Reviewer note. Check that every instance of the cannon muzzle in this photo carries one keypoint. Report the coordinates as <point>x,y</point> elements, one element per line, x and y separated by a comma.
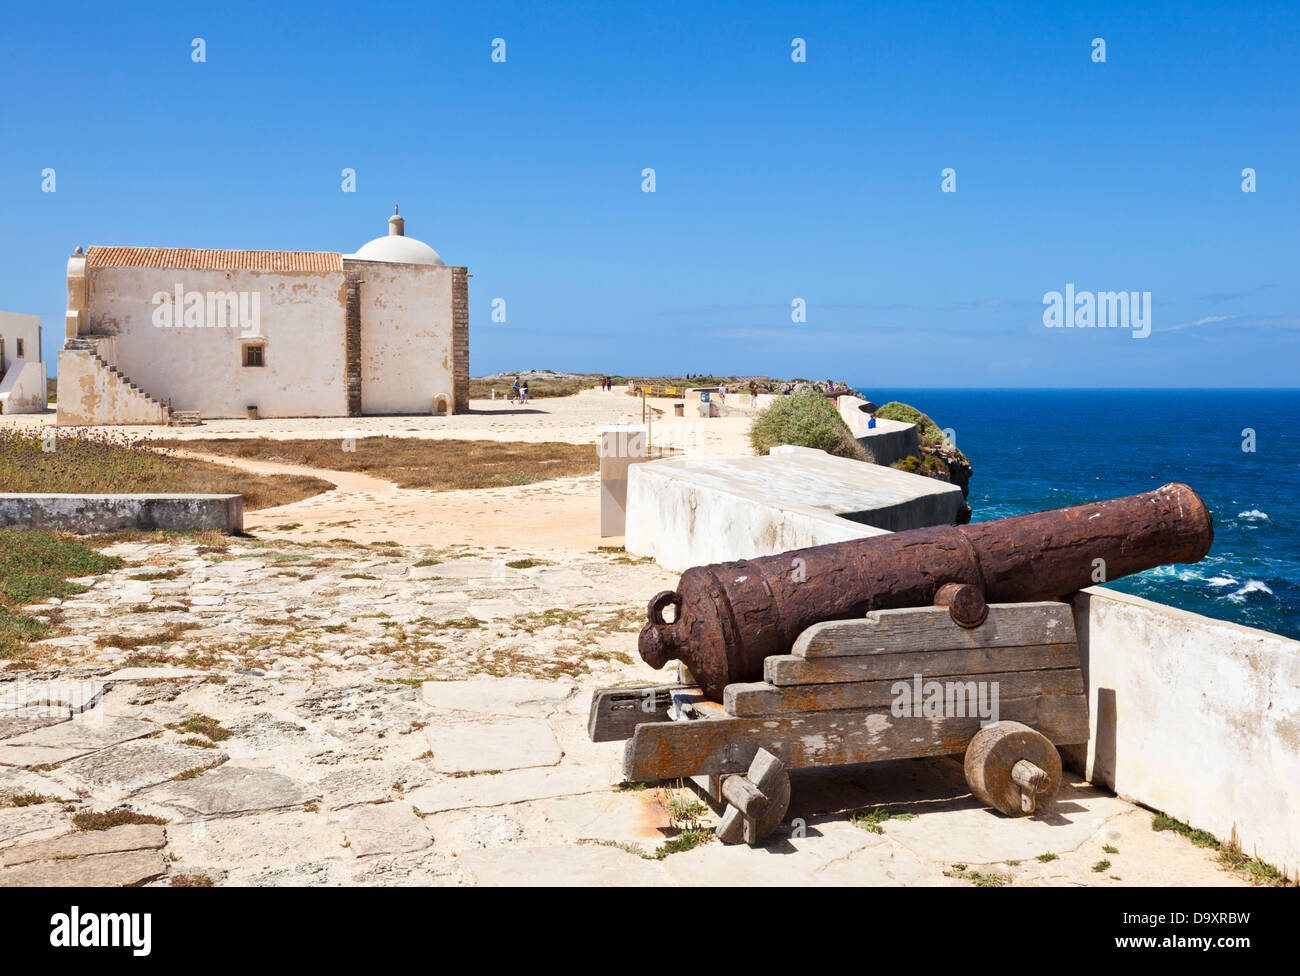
<point>728,617</point>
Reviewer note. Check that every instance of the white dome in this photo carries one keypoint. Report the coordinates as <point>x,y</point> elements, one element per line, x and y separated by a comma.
<point>399,250</point>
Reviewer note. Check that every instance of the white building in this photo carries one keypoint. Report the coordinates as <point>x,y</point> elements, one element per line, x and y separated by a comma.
<point>152,330</point>
<point>22,371</point>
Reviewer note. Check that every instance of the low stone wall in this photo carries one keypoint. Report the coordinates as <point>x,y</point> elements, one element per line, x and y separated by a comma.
<point>684,512</point>
<point>1195,717</point>
<point>85,514</point>
<point>889,441</point>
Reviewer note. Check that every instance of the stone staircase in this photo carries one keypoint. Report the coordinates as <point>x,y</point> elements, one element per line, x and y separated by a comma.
<point>114,398</point>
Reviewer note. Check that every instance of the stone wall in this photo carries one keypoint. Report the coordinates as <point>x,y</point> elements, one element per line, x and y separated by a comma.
<point>302,322</point>
<point>407,346</point>
<point>460,338</point>
<point>85,514</point>
<point>1194,717</point>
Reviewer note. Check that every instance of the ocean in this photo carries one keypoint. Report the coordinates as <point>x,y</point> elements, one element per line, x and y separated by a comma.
<point>1037,449</point>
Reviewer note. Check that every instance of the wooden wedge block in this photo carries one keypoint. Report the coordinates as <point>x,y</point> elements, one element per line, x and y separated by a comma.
<point>761,698</point>
<point>931,629</point>
<point>787,669</point>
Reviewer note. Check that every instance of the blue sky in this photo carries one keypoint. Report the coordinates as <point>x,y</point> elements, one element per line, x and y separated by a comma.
<point>775,180</point>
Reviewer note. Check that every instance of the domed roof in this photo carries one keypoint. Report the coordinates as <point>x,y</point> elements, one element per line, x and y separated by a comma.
<point>401,250</point>
<point>397,247</point>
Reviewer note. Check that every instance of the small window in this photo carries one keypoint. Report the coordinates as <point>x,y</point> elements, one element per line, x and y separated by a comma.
<point>20,349</point>
<point>253,356</point>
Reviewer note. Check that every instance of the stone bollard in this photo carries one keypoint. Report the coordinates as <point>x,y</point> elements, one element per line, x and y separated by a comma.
<point>619,447</point>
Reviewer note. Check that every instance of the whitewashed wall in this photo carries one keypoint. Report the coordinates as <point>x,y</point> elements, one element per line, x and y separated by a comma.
<point>302,315</point>
<point>22,380</point>
<point>406,349</point>
<point>1194,717</point>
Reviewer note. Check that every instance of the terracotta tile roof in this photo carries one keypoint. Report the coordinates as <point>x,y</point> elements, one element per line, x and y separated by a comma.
<point>204,259</point>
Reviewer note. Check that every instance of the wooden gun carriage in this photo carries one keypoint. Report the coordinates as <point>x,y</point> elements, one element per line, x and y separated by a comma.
<point>846,694</point>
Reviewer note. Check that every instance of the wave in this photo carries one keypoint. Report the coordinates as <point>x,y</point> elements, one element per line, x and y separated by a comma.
<point>1253,515</point>
<point>1252,586</point>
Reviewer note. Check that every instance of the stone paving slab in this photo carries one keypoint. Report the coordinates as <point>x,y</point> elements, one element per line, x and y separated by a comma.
<point>256,842</point>
<point>36,757</point>
<point>513,787</point>
<point>99,871</point>
<point>85,733</point>
<point>56,698</point>
<point>128,837</point>
<point>229,790</point>
<point>477,746</point>
<point>129,767</point>
<point>44,820</point>
<point>371,782</point>
<point>383,828</point>
<point>585,865</point>
<point>12,726</point>
<point>496,696</point>
<point>19,782</point>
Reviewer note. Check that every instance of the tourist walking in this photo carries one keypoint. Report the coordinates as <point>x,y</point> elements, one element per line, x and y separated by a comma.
<point>753,394</point>
<point>514,391</point>
<point>523,392</point>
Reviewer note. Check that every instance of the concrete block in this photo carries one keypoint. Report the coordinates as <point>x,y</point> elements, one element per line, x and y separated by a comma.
<point>110,513</point>
<point>685,512</point>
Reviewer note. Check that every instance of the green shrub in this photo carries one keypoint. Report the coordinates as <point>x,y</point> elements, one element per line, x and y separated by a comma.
<point>805,419</point>
<point>927,429</point>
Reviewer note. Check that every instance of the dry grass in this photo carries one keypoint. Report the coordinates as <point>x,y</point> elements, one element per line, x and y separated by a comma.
<point>108,819</point>
<point>414,462</point>
<point>35,566</point>
<point>106,463</point>
<point>481,389</point>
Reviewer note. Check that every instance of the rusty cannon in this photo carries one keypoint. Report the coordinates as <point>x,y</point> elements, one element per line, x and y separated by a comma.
<point>729,617</point>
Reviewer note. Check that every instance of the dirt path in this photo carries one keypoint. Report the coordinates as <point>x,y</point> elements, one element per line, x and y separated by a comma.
<point>559,514</point>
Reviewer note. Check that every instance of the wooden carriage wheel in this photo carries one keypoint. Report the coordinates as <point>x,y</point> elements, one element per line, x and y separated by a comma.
<point>1013,769</point>
<point>756,801</point>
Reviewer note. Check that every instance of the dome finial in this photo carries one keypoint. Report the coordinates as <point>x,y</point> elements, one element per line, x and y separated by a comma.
<point>396,225</point>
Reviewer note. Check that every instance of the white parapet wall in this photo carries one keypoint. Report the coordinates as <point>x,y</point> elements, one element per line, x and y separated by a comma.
<point>684,512</point>
<point>1194,717</point>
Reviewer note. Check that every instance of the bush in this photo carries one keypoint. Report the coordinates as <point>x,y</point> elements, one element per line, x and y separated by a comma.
<point>805,419</point>
<point>927,429</point>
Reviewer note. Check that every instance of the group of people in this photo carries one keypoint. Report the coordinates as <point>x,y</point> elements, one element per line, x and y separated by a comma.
<point>606,383</point>
<point>519,391</point>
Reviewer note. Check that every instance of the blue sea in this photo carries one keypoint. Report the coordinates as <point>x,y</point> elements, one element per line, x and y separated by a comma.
<point>1037,449</point>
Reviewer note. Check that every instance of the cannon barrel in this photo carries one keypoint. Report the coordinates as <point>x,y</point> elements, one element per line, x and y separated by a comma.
<point>730,616</point>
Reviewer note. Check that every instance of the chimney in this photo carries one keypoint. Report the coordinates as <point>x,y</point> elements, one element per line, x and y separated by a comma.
<point>396,225</point>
